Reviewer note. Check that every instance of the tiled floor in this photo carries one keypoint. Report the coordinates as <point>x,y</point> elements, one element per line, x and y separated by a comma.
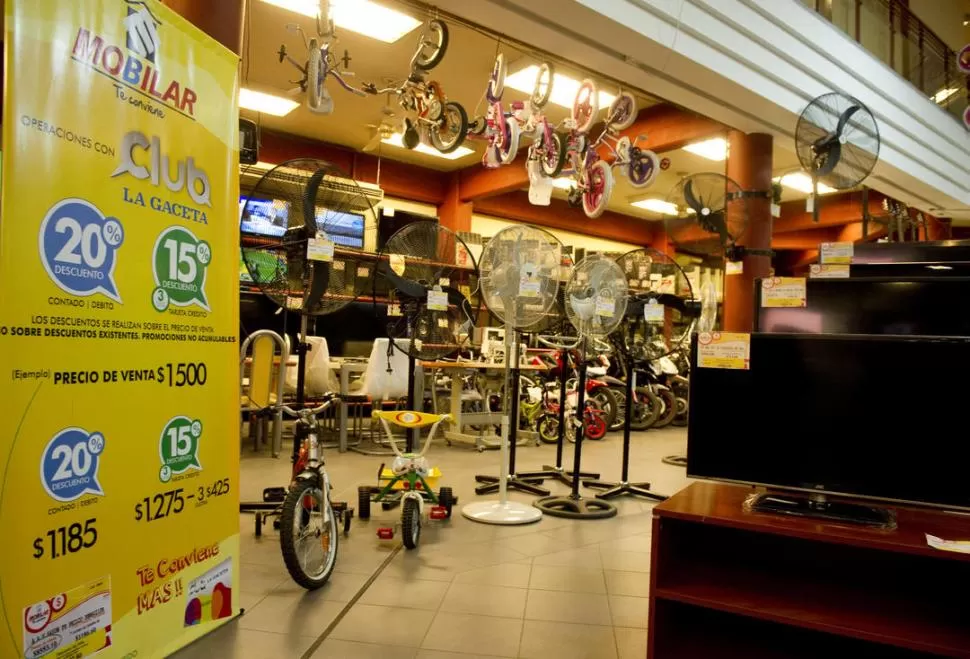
<point>560,588</point>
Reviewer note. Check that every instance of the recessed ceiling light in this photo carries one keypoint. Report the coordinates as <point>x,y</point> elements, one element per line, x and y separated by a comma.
<point>564,88</point>
<point>361,16</point>
<point>712,149</point>
<point>563,183</point>
<point>657,206</point>
<point>802,182</point>
<point>940,267</point>
<point>277,106</point>
<point>397,139</point>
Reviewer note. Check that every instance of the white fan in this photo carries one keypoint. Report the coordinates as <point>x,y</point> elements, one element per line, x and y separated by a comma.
<point>596,301</point>
<point>519,279</point>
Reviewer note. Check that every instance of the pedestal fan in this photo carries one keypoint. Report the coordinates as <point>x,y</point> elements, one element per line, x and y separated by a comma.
<point>660,295</point>
<point>596,301</point>
<point>519,271</point>
<point>837,142</point>
<point>430,274</point>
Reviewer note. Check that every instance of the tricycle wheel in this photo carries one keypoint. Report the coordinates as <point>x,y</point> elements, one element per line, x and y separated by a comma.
<point>363,502</point>
<point>446,498</point>
<point>411,523</point>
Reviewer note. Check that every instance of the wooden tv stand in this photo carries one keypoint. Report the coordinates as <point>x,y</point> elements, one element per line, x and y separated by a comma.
<point>726,583</point>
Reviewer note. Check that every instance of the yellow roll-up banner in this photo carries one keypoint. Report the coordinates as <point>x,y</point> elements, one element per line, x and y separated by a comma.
<point>119,438</point>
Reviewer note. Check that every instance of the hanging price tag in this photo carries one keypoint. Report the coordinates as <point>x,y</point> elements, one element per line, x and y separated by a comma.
<point>394,309</point>
<point>668,284</point>
<point>294,303</point>
<point>465,290</point>
<point>529,284</point>
<point>437,299</point>
<point>605,307</point>
<point>829,271</point>
<point>783,292</point>
<point>730,350</point>
<point>363,271</point>
<point>733,267</point>
<point>320,248</point>
<point>443,322</point>
<point>836,252</point>
<point>339,266</point>
<point>628,265</point>
<point>642,271</point>
<point>653,312</point>
<point>397,264</point>
<point>775,210</point>
<point>444,281</point>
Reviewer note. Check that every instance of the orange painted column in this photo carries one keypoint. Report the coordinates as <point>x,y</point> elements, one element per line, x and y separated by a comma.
<point>749,165</point>
<point>454,213</point>
<point>220,19</point>
<point>938,228</point>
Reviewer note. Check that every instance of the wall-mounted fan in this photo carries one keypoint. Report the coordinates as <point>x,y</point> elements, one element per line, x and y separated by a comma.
<point>430,273</point>
<point>596,301</point>
<point>837,142</point>
<point>303,239</point>
<point>712,216</point>
<point>520,269</point>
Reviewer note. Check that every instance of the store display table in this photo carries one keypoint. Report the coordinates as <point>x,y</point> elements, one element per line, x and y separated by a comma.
<point>494,374</point>
<point>729,583</point>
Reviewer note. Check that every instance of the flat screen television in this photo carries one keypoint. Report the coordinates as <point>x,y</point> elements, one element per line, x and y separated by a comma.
<point>863,416</point>
<point>346,229</point>
<point>263,217</point>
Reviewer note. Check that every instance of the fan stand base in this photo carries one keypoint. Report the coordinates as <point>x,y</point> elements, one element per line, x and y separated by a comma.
<point>529,485</point>
<point>675,460</point>
<point>612,490</point>
<point>495,512</point>
<point>559,473</point>
<point>575,507</point>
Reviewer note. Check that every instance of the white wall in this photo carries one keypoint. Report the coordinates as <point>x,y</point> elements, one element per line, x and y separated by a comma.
<point>489,226</point>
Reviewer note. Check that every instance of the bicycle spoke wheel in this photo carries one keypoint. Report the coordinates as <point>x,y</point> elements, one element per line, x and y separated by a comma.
<point>308,535</point>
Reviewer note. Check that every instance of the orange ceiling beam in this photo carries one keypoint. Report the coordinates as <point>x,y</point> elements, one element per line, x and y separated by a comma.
<point>804,240</point>
<point>836,210</point>
<point>560,215</point>
<point>398,179</point>
<point>665,128</point>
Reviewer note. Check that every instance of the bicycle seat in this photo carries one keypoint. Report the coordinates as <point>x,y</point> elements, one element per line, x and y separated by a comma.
<point>409,418</point>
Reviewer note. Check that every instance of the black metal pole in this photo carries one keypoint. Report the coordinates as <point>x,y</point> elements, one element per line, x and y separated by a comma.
<point>513,403</point>
<point>628,417</point>
<point>301,348</point>
<point>580,411</point>
<point>412,364</point>
<point>562,407</point>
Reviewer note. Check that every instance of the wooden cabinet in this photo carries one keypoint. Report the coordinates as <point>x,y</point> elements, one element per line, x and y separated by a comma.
<point>730,583</point>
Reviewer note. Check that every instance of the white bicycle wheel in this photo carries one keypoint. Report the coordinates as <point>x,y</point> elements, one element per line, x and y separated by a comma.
<point>496,83</point>
<point>623,111</point>
<point>314,85</point>
<point>599,187</point>
<point>586,106</point>
<point>510,145</point>
<point>643,168</point>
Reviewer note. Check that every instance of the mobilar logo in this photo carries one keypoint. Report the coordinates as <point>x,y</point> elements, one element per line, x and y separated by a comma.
<point>133,66</point>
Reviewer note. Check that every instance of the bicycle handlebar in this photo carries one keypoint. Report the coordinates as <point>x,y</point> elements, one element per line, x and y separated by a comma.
<point>331,399</point>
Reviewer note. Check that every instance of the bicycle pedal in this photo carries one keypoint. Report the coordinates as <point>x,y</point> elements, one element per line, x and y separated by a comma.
<point>274,494</point>
<point>385,533</point>
<point>438,512</point>
<point>339,506</point>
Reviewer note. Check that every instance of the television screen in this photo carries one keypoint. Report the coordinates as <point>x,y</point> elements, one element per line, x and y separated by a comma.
<point>346,229</point>
<point>263,217</point>
<point>838,414</point>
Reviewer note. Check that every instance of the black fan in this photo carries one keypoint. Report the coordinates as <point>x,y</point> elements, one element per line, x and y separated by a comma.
<point>304,230</point>
<point>431,274</point>
<point>712,215</point>
<point>837,142</point>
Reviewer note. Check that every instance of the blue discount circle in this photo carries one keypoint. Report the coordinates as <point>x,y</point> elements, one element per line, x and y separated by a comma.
<point>79,247</point>
<point>69,467</point>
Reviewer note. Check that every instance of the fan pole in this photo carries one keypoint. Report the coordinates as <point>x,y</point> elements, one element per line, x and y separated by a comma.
<point>625,486</point>
<point>523,483</point>
<point>301,346</point>
<point>503,511</point>
<point>556,471</point>
<point>575,506</point>
<point>412,403</point>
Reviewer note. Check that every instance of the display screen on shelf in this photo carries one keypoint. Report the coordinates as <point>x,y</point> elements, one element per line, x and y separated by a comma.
<point>346,229</point>
<point>263,217</point>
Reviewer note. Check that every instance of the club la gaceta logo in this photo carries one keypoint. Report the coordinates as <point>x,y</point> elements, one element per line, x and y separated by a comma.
<point>138,65</point>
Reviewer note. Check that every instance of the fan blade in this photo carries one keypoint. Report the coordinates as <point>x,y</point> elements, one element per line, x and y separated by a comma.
<point>405,287</point>
<point>319,281</point>
<point>832,153</point>
<point>691,199</point>
<point>719,222</point>
<point>844,119</point>
<point>456,298</point>
<point>310,201</point>
<point>375,141</point>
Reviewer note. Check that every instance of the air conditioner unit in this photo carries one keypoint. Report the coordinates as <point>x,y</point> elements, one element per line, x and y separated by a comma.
<point>335,190</point>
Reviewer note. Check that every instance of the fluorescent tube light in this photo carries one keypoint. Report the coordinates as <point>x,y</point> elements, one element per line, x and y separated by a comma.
<point>397,139</point>
<point>277,106</point>
<point>713,149</point>
<point>942,95</point>
<point>362,16</point>
<point>802,182</point>
<point>657,206</point>
<point>564,88</point>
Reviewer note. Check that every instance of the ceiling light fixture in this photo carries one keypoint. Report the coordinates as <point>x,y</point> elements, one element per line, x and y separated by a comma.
<point>277,106</point>
<point>362,16</point>
<point>657,206</point>
<point>942,95</point>
<point>802,182</point>
<point>563,183</point>
<point>397,139</point>
<point>564,88</point>
<point>712,149</point>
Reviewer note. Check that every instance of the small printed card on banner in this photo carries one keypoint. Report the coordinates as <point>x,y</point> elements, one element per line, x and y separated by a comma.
<point>829,271</point>
<point>836,252</point>
<point>437,299</point>
<point>730,350</point>
<point>653,312</point>
<point>320,248</point>
<point>783,292</point>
